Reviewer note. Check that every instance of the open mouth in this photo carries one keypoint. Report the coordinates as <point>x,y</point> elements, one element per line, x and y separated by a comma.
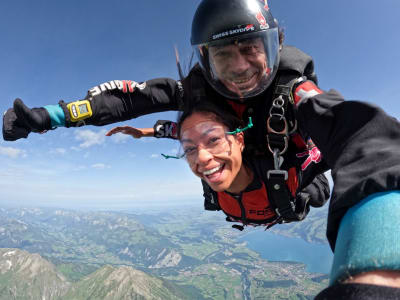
<point>246,82</point>
<point>214,173</point>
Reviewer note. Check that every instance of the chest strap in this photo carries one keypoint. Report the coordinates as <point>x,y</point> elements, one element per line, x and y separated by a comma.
<point>280,124</point>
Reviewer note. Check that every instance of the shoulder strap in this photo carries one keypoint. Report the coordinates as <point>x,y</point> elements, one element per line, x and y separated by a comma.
<point>279,194</point>
<point>296,61</point>
<point>210,197</point>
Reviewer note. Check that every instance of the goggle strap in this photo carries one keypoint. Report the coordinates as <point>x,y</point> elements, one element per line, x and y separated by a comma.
<point>171,156</point>
<point>237,130</point>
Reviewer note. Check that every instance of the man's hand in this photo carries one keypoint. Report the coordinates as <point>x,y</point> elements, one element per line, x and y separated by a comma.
<point>20,120</point>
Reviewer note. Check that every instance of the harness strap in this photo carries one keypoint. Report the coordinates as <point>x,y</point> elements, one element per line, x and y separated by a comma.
<point>283,90</point>
<point>280,124</point>
<point>279,194</point>
<point>210,197</point>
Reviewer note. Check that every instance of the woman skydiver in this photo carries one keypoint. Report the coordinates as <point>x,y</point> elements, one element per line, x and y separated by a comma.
<point>241,184</point>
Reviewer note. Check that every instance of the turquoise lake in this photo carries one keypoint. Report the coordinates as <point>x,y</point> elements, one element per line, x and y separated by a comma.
<point>318,258</point>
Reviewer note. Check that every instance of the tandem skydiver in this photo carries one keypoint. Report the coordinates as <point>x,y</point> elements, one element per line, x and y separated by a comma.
<point>362,152</point>
<point>240,185</point>
<point>366,261</point>
<point>257,69</point>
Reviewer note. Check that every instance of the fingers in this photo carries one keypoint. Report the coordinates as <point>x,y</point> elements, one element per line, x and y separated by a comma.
<point>22,112</point>
<point>115,130</point>
<point>123,129</point>
<point>12,130</point>
<point>111,131</point>
<point>37,119</point>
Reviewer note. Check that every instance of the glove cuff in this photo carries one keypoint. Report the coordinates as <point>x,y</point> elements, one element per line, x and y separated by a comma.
<point>57,115</point>
<point>44,117</point>
<point>68,122</point>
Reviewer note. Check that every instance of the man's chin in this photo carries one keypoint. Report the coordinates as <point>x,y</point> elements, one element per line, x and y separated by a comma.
<point>240,90</point>
<point>243,88</point>
<point>247,90</point>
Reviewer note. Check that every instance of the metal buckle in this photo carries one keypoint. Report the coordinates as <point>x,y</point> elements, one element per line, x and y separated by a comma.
<point>277,212</point>
<point>277,173</point>
<point>285,139</point>
<point>284,131</point>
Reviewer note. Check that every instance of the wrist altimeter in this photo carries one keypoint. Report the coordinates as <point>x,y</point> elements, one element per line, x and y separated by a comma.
<point>79,110</point>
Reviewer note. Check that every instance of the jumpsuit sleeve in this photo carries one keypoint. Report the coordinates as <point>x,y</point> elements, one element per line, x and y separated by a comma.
<point>121,100</point>
<point>360,144</point>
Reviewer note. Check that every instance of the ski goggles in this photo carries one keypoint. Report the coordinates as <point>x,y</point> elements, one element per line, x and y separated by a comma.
<point>208,136</point>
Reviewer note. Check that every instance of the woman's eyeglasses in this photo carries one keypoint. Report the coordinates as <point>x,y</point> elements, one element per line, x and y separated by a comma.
<point>214,141</point>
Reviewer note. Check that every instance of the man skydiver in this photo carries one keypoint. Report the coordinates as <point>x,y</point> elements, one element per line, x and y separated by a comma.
<point>241,58</point>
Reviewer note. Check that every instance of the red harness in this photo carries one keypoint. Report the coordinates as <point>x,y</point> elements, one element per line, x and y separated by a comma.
<point>253,207</point>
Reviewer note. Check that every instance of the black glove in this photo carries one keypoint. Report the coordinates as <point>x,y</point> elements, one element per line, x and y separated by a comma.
<point>21,120</point>
<point>302,205</point>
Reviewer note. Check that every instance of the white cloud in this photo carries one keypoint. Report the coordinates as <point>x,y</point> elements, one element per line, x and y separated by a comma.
<point>75,148</point>
<point>79,168</point>
<point>90,138</point>
<point>12,152</point>
<point>131,154</point>
<point>155,156</point>
<point>120,138</point>
<point>12,173</point>
<point>58,151</point>
<point>100,166</point>
<point>175,151</point>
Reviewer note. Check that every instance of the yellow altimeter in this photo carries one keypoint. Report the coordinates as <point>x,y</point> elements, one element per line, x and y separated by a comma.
<point>79,110</point>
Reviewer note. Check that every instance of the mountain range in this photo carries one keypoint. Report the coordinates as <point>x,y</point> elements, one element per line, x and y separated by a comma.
<point>65,254</point>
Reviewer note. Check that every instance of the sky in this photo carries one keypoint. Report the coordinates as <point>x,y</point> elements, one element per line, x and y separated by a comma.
<point>52,50</point>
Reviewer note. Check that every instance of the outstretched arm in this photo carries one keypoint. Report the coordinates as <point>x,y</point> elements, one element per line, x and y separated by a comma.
<point>161,129</point>
<point>136,133</point>
<point>107,103</point>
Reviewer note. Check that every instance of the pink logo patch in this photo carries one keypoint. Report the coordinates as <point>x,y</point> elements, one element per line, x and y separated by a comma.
<point>313,153</point>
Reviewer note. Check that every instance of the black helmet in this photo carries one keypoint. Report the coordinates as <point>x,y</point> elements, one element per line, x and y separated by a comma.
<point>237,44</point>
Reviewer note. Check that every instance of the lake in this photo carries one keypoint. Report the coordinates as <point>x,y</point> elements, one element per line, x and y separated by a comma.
<point>318,258</point>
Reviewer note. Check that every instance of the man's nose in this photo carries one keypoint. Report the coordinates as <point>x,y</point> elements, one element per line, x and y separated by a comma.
<point>240,63</point>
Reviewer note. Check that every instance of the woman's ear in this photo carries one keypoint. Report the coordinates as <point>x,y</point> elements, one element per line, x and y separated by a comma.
<point>240,139</point>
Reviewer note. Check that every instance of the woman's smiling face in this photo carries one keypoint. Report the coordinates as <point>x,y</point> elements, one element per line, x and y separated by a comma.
<point>213,155</point>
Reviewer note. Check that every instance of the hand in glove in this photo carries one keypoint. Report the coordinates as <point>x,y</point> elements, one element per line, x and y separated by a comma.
<point>20,120</point>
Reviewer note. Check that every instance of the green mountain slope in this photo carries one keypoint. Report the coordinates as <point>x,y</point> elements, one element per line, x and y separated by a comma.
<point>120,283</point>
<point>29,276</point>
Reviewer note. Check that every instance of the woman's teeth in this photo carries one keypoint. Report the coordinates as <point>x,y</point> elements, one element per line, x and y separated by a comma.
<point>212,171</point>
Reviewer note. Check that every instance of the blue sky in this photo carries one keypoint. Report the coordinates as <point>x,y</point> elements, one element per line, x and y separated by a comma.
<point>53,50</point>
